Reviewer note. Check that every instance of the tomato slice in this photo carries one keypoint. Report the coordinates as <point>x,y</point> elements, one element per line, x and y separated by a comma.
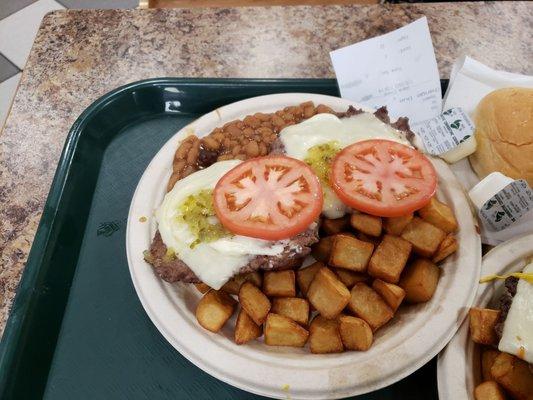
<point>272,198</point>
<point>383,178</point>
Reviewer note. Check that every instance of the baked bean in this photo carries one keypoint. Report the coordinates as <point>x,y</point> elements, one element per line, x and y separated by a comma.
<point>224,157</point>
<point>233,130</point>
<point>210,143</point>
<point>263,149</point>
<point>219,136</point>
<point>183,150</point>
<point>267,124</point>
<point>226,143</point>
<point>236,150</point>
<point>172,181</point>
<point>187,171</point>
<point>262,117</point>
<point>248,132</point>
<point>297,111</point>
<point>252,149</point>
<point>277,121</point>
<point>252,121</point>
<point>307,104</point>
<point>286,117</point>
<point>192,156</point>
<point>264,131</point>
<point>309,111</point>
<point>322,109</point>
<point>178,165</point>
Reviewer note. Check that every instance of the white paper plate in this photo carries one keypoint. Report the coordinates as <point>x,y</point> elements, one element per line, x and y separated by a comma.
<point>458,367</point>
<point>416,334</point>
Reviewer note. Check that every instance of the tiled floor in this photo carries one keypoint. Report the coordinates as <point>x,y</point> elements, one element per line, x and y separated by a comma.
<point>19,22</point>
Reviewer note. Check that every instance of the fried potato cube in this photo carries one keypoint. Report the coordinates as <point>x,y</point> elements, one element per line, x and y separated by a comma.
<point>396,225</point>
<point>254,302</point>
<point>246,329</point>
<point>370,239</point>
<point>488,356</point>
<point>514,375</point>
<point>349,278</point>
<point>279,283</point>
<point>294,308</point>
<point>328,294</point>
<point>488,391</point>
<point>283,331</point>
<point>214,309</point>
<point>389,259</point>
<point>234,284</point>
<point>305,276</point>
<point>350,253</point>
<point>356,334</point>
<point>424,237</point>
<point>368,224</point>
<point>392,294</point>
<point>321,250</point>
<point>482,323</point>
<point>447,247</point>
<point>419,280</point>
<point>367,304</point>
<point>333,226</point>
<point>324,336</point>
<point>202,287</point>
<point>439,215</point>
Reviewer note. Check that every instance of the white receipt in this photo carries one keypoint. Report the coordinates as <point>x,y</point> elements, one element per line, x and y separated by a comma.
<point>397,69</point>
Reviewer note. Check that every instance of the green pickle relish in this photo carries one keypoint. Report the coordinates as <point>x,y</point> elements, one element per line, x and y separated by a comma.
<point>198,213</point>
<point>319,158</point>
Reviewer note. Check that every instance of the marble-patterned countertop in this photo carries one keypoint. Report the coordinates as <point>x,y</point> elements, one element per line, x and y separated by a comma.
<point>80,55</point>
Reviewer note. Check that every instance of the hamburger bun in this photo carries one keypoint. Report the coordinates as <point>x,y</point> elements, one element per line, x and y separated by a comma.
<point>504,134</point>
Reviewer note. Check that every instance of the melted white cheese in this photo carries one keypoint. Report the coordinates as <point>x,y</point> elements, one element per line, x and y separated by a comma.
<point>214,262</point>
<point>323,128</point>
<point>517,337</point>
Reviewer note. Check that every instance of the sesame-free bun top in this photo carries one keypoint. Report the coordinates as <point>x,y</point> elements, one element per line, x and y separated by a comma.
<point>504,134</point>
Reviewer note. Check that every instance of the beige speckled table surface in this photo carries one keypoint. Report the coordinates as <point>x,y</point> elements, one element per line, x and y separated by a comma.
<point>80,55</point>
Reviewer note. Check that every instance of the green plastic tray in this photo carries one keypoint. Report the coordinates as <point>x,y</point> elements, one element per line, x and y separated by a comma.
<point>77,329</point>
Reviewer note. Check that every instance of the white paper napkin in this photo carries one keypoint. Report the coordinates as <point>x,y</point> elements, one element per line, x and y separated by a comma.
<point>397,69</point>
<point>470,81</point>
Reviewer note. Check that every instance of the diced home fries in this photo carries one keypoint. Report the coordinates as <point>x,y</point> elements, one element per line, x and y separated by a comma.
<point>366,268</point>
<point>424,237</point>
<point>283,331</point>
<point>294,308</point>
<point>328,294</point>
<point>396,225</point>
<point>503,375</point>
<point>279,284</point>
<point>246,329</point>
<point>482,323</point>
<point>324,336</point>
<point>350,253</point>
<point>215,308</point>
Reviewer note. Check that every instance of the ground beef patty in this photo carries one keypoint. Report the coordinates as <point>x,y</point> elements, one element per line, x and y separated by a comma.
<point>173,269</point>
<point>506,300</point>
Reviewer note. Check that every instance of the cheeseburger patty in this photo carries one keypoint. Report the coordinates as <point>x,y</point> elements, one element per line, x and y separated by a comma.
<point>256,135</point>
